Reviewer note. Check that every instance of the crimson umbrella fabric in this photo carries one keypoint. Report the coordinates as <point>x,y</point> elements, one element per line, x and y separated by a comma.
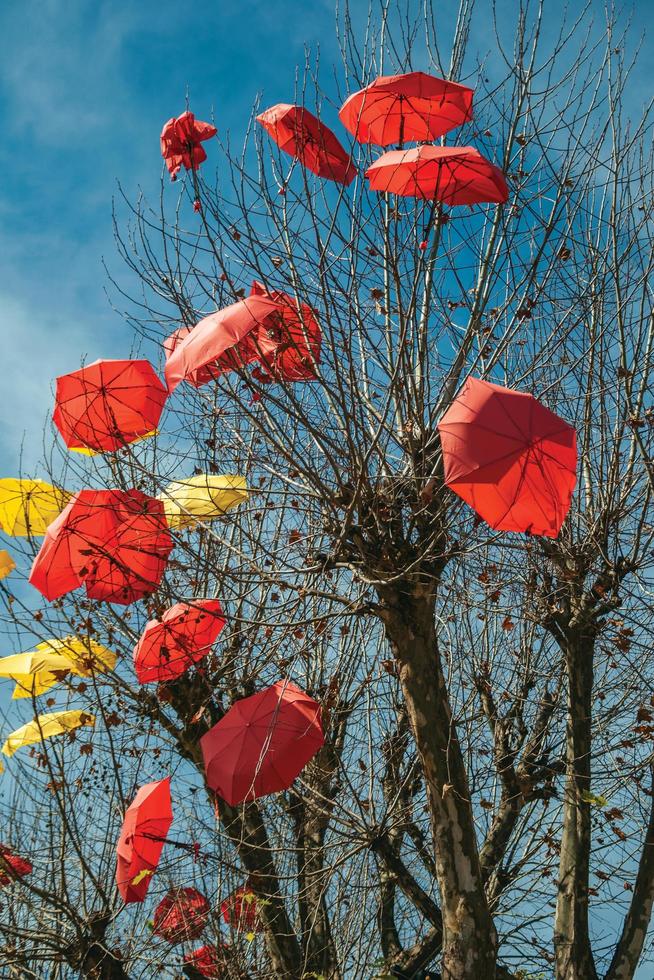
<point>227,339</point>
<point>181,915</point>
<point>449,174</point>
<point>209,961</point>
<point>513,460</point>
<point>295,337</point>
<point>145,828</point>
<point>182,637</point>
<point>301,134</point>
<point>108,404</point>
<point>181,140</point>
<point>12,866</point>
<point>114,542</point>
<point>262,743</point>
<point>406,108</point>
<point>240,910</point>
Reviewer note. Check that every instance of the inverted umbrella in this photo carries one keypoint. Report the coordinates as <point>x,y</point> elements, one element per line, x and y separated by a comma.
<point>301,134</point>
<point>296,335</point>
<point>27,507</point>
<point>227,339</point>
<point>12,866</point>
<point>180,142</point>
<point>46,726</point>
<point>450,174</point>
<point>203,497</point>
<point>108,404</point>
<point>240,910</point>
<point>406,108</point>
<point>183,636</point>
<point>513,460</point>
<point>145,828</point>
<point>181,915</point>
<point>262,743</point>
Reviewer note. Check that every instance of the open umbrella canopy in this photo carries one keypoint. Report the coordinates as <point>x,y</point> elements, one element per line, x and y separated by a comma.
<point>181,140</point>
<point>513,460</point>
<point>7,564</point>
<point>143,834</point>
<point>115,542</point>
<point>210,961</point>
<point>449,174</point>
<point>301,134</point>
<point>240,911</point>
<point>203,497</point>
<point>108,404</point>
<point>296,337</point>
<point>406,108</point>
<point>222,341</point>
<point>182,637</point>
<point>12,866</point>
<point>38,670</point>
<point>46,726</point>
<point>181,915</point>
<point>262,743</point>
<point>27,507</point>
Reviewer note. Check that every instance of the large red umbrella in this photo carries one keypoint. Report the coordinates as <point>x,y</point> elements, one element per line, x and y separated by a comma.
<point>108,404</point>
<point>262,743</point>
<point>406,108</point>
<point>240,910</point>
<point>181,915</point>
<point>115,542</point>
<point>226,339</point>
<point>509,457</point>
<point>183,636</point>
<point>180,142</point>
<point>295,337</point>
<point>145,828</point>
<point>298,132</point>
<point>450,174</point>
<point>12,866</point>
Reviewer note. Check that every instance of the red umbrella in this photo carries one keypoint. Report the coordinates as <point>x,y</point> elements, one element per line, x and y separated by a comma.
<point>209,961</point>
<point>12,866</point>
<point>406,108</point>
<point>115,542</point>
<point>262,743</point>
<point>227,339</point>
<point>298,132</point>
<point>180,142</point>
<point>509,457</point>
<point>108,404</point>
<point>181,915</point>
<point>144,831</point>
<point>240,910</point>
<point>451,174</point>
<point>295,339</point>
<point>183,636</point>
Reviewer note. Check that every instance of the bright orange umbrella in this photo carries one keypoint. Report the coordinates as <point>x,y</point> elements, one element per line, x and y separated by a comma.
<point>301,134</point>
<point>450,174</point>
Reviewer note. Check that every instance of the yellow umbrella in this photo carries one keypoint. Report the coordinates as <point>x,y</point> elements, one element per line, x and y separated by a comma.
<point>28,506</point>
<point>202,498</point>
<point>7,564</point>
<point>38,670</point>
<point>86,657</point>
<point>45,726</point>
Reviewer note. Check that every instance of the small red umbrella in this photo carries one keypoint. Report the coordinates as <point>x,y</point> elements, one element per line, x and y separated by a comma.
<point>298,132</point>
<point>240,910</point>
<point>227,339</point>
<point>144,831</point>
<point>183,636</point>
<point>509,457</point>
<point>450,174</point>
<point>262,743</point>
<point>181,915</point>
<point>295,339</point>
<point>209,961</point>
<point>115,542</point>
<point>406,108</point>
<point>12,866</point>
<point>180,142</point>
<point>108,404</point>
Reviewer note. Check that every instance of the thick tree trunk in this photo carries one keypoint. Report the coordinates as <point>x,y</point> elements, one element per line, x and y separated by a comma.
<point>469,939</point>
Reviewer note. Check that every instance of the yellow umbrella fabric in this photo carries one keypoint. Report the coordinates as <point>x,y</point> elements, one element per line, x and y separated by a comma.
<point>28,506</point>
<point>45,726</point>
<point>202,498</point>
<point>7,564</point>
<point>38,670</point>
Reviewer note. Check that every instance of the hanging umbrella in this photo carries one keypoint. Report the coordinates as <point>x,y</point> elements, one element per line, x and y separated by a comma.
<point>145,828</point>
<point>7,564</point>
<point>450,174</point>
<point>203,497</point>
<point>108,404</point>
<point>227,339</point>
<point>181,915</point>
<point>297,338</point>
<point>183,636</point>
<point>240,910</point>
<point>27,507</point>
<point>406,108</point>
<point>509,457</point>
<point>45,726</point>
<point>180,142</point>
<point>12,866</point>
<point>262,743</point>
<point>38,670</point>
<point>209,961</point>
<point>299,133</point>
<point>116,542</point>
